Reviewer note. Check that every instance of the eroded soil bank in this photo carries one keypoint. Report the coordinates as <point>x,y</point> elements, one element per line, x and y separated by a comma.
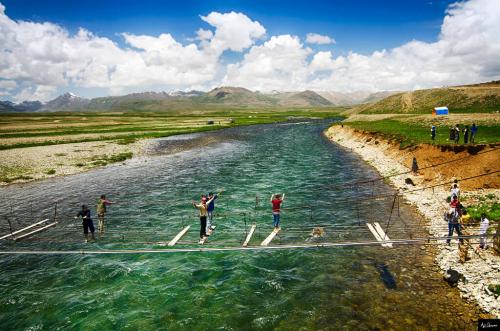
<point>483,268</point>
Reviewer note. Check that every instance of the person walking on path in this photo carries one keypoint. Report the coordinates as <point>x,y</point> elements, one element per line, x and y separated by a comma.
<point>277,200</point>
<point>455,191</point>
<point>483,230</point>
<point>433,132</point>
<point>211,208</point>
<point>473,131</point>
<point>457,134</point>
<point>202,208</point>
<point>101,211</point>
<point>452,217</point>
<point>466,134</point>
<point>86,222</point>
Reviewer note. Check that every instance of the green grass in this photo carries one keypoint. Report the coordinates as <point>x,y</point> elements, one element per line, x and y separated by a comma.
<point>492,211</point>
<point>409,134</point>
<point>9,174</point>
<point>127,127</point>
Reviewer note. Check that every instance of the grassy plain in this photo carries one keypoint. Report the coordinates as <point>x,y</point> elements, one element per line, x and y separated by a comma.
<point>414,129</point>
<point>40,129</point>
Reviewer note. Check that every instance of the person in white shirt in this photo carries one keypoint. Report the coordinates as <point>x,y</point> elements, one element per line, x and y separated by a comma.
<point>483,229</point>
<point>455,191</point>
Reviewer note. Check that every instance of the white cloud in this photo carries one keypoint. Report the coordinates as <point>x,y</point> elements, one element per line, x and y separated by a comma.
<point>40,93</point>
<point>40,58</point>
<point>314,38</point>
<point>44,56</point>
<point>467,51</point>
<point>233,31</point>
<point>8,84</point>
<point>279,63</point>
<point>202,34</point>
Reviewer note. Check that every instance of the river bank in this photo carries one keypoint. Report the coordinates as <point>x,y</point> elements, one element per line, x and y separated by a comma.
<point>483,268</point>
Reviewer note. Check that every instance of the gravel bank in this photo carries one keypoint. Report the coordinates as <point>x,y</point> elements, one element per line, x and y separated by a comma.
<point>482,269</point>
<point>34,163</point>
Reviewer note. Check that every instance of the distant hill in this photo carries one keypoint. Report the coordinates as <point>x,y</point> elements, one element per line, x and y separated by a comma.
<point>66,101</point>
<point>156,101</point>
<point>301,99</point>
<point>354,98</point>
<point>476,98</point>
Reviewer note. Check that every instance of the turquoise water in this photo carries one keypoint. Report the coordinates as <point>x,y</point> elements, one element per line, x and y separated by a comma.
<point>350,287</point>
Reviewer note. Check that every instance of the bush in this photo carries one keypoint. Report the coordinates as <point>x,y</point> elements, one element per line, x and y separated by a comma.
<point>50,172</point>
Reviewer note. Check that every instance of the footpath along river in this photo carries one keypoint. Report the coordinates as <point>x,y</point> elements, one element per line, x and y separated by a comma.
<point>354,287</point>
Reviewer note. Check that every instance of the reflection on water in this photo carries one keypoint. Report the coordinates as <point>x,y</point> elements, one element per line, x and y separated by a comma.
<point>350,287</point>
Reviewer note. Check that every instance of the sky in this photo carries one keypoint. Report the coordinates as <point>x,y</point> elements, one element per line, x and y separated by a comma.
<point>100,48</point>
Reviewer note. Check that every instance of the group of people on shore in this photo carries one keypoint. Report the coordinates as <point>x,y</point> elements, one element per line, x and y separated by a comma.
<point>457,215</point>
<point>469,133</point>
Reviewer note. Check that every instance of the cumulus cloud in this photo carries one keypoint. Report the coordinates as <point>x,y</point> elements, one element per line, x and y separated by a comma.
<point>43,57</point>
<point>314,38</point>
<point>38,58</point>
<point>279,63</point>
<point>202,34</point>
<point>233,31</point>
<point>466,51</point>
<point>40,93</point>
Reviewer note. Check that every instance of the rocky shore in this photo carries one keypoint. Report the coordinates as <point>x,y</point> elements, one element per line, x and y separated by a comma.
<point>483,268</point>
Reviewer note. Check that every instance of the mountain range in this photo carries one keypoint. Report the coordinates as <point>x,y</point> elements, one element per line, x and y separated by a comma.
<point>220,96</point>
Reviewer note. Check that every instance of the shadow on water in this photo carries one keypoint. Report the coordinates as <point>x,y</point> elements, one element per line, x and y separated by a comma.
<point>385,275</point>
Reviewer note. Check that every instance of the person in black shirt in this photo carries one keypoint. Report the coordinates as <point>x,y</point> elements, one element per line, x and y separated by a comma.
<point>87,222</point>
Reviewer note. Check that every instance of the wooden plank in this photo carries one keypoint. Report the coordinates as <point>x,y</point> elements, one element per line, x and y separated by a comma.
<point>204,239</point>
<point>24,229</point>
<point>35,231</point>
<point>375,234</point>
<point>271,236</point>
<point>249,235</point>
<point>382,234</point>
<point>178,236</point>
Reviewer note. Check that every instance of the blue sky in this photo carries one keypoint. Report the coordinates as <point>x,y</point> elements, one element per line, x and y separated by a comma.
<point>359,26</point>
<point>134,46</point>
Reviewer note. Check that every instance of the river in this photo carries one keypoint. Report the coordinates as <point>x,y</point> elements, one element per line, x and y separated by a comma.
<point>352,287</point>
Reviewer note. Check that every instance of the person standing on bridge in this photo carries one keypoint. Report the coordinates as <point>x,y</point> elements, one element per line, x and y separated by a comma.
<point>202,208</point>
<point>101,211</point>
<point>277,200</point>
<point>453,219</point>
<point>87,222</point>
<point>211,208</point>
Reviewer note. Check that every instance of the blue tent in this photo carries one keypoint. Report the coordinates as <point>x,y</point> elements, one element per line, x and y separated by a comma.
<point>440,111</point>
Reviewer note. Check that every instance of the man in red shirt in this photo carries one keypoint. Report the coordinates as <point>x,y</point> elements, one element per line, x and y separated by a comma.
<point>276,200</point>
